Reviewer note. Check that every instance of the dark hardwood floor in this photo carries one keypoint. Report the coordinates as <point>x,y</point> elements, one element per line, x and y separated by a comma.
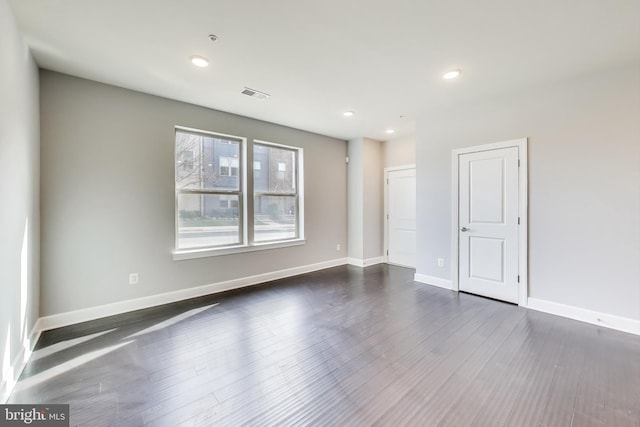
<point>343,346</point>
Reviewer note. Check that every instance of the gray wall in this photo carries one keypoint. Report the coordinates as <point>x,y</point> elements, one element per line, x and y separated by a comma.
<point>399,152</point>
<point>108,195</point>
<point>365,199</point>
<point>355,192</point>
<point>373,198</point>
<point>19,187</point>
<point>584,185</point>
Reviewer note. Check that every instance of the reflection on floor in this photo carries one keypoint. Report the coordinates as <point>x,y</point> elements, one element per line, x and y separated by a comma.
<point>342,346</point>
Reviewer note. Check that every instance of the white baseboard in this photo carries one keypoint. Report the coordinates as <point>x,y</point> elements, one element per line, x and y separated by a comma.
<point>434,281</point>
<point>19,363</point>
<point>92,313</point>
<point>355,261</point>
<point>373,261</point>
<point>594,317</point>
<point>358,262</point>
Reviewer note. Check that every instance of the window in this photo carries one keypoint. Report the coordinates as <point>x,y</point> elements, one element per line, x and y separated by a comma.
<point>276,202</point>
<point>228,202</point>
<point>208,199</point>
<point>229,166</point>
<point>213,214</point>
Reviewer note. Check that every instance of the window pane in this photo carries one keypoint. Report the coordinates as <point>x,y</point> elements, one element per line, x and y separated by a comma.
<point>207,220</point>
<point>206,162</point>
<point>274,218</point>
<point>277,172</point>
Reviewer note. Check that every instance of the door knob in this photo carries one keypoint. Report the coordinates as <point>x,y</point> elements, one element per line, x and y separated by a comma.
<point>463,229</point>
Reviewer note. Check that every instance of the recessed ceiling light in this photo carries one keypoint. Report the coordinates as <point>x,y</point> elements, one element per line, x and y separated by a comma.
<point>452,74</point>
<point>390,131</point>
<point>199,61</point>
<point>348,113</point>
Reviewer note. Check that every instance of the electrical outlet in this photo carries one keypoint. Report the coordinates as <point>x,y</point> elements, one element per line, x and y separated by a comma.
<point>440,262</point>
<point>133,278</point>
<point>338,247</point>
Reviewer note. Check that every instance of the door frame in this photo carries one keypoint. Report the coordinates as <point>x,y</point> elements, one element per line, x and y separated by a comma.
<point>523,197</point>
<point>385,219</point>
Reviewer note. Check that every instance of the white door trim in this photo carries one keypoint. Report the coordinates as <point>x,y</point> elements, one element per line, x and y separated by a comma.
<point>523,285</point>
<point>385,185</point>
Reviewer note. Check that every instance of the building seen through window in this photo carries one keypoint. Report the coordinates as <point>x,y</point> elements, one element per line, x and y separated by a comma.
<point>275,193</point>
<point>208,190</point>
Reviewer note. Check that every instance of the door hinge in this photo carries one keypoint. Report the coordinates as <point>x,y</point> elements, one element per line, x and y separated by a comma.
<point>387,252</point>
<point>346,159</point>
<point>387,217</point>
<point>518,278</point>
<point>518,220</point>
<point>387,181</point>
<point>518,162</point>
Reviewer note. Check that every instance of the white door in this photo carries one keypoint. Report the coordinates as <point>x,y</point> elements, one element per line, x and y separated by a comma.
<point>488,223</point>
<point>401,219</point>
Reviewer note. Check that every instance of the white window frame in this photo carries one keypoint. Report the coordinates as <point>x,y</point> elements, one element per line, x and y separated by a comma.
<point>299,186</point>
<point>247,216</point>
<point>240,193</point>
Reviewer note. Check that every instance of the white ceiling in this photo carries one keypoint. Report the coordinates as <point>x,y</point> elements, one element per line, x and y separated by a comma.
<point>382,59</point>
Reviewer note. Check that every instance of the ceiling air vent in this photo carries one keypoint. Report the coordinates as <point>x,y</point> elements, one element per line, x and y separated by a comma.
<point>255,93</point>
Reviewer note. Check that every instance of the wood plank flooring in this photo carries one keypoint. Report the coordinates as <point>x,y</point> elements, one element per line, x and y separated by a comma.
<point>342,346</point>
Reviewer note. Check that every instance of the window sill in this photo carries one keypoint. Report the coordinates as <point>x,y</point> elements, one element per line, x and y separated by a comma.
<point>180,255</point>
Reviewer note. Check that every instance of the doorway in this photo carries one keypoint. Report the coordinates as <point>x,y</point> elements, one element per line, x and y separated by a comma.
<point>489,228</point>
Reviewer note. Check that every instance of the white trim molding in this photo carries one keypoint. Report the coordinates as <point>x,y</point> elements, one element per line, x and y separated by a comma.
<point>358,262</point>
<point>208,252</point>
<point>523,197</point>
<point>611,321</point>
<point>18,364</point>
<point>433,281</point>
<point>92,313</point>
